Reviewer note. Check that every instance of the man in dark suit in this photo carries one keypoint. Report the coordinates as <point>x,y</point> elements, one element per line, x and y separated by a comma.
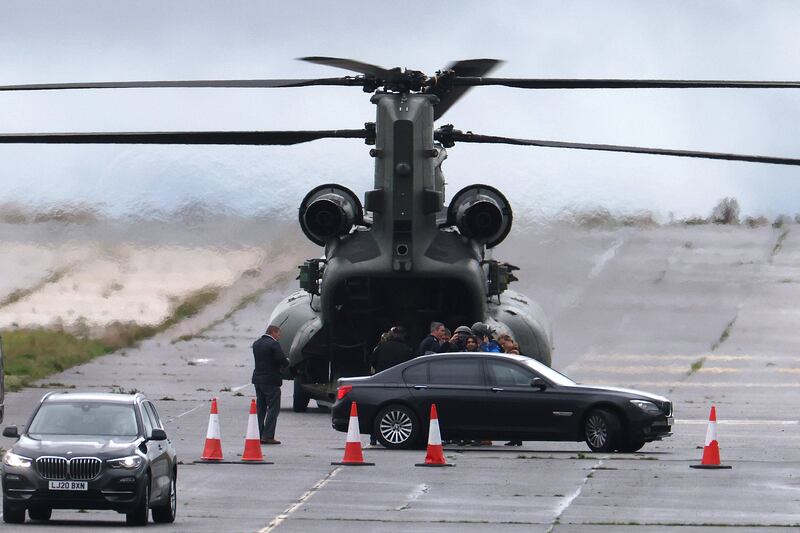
<point>432,343</point>
<point>267,379</point>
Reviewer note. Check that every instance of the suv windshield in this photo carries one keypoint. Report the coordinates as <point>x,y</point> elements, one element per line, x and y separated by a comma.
<point>85,418</point>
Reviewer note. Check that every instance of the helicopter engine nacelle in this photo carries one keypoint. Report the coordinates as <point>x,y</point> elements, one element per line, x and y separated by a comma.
<point>329,211</point>
<point>481,213</point>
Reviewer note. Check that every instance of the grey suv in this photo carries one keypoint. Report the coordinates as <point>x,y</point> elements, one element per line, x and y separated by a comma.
<point>91,451</point>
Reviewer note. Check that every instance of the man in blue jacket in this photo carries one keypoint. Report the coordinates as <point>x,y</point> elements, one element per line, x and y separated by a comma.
<point>267,380</point>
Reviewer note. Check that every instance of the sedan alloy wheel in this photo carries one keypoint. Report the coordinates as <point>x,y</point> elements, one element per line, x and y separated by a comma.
<point>396,426</point>
<point>601,430</point>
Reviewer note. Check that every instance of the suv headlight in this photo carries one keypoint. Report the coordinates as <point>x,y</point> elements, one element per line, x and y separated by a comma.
<point>18,461</point>
<point>130,462</point>
<point>647,407</point>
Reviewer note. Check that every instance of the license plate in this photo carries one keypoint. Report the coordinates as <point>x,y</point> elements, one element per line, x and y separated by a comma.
<point>69,485</point>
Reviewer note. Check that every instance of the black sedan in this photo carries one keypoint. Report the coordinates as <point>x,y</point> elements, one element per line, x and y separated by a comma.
<point>498,396</point>
<point>91,451</point>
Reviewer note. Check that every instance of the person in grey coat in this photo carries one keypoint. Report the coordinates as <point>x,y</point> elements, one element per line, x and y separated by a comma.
<point>267,380</point>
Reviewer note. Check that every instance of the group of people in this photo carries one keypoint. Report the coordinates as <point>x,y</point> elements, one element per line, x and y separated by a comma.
<point>395,349</point>
<point>392,350</point>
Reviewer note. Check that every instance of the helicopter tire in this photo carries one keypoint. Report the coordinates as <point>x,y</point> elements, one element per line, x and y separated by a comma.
<point>301,398</point>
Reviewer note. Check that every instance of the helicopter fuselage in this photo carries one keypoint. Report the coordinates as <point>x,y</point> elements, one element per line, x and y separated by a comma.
<point>412,262</point>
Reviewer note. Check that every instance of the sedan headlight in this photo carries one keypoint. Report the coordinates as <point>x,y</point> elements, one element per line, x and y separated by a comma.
<point>130,462</point>
<point>18,461</point>
<point>647,407</point>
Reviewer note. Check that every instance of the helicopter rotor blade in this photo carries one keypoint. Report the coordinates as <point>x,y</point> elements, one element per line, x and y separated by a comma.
<point>534,83</point>
<point>347,81</point>
<point>446,136</point>
<point>449,95</point>
<point>254,138</point>
<point>351,64</point>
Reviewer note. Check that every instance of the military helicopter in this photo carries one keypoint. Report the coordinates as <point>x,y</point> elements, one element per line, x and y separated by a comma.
<point>402,257</point>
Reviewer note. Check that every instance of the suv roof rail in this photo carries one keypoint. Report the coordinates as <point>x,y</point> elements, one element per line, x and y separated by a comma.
<point>49,394</point>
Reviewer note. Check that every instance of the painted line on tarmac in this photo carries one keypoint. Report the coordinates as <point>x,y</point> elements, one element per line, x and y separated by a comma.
<point>278,520</point>
<point>193,409</point>
<point>740,422</point>
<point>602,260</point>
<point>567,501</point>
<point>708,384</point>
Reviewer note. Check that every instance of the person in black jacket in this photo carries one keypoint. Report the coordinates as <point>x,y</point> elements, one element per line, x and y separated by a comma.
<point>267,379</point>
<point>433,342</point>
<point>393,351</point>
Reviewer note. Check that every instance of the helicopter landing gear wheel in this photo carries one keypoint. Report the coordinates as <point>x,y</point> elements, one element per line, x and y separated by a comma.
<point>301,398</point>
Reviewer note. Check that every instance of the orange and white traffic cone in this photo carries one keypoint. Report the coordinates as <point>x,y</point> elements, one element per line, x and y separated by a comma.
<point>353,455</point>
<point>710,458</point>
<point>435,455</point>
<point>252,440</point>
<point>213,448</point>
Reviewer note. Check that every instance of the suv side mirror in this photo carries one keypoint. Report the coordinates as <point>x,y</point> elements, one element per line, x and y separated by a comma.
<point>11,432</point>
<point>158,434</point>
<point>538,383</point>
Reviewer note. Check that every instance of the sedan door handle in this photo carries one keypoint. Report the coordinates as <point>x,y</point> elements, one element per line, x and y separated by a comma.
<point>420,387</point>
<point>497,389</point>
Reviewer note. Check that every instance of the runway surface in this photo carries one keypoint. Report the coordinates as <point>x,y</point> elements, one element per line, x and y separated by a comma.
<point>703,315</point>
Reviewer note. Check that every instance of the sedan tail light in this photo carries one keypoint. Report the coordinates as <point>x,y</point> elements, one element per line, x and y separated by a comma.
<point>342,391</point>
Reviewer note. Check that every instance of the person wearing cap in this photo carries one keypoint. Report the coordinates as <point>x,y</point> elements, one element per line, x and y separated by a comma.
<point>393,351</point>
<point>458,342</point>
<point>484,334</point>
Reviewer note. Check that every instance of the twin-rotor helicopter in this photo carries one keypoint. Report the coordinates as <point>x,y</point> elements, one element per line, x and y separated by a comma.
<point>402,257</point>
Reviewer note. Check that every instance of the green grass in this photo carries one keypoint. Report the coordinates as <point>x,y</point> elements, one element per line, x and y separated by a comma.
<point>697,365</point>
<point>32,354</point>
<point>36,353</point>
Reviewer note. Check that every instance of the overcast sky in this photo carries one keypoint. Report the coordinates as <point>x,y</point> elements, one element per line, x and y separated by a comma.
<point>61,41</point>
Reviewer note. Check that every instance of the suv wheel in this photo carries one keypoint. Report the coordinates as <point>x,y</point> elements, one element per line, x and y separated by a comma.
<point>601,430</point>
<point>396,427</point>
<point>138,516</point>
<point>12,515</point>
<point>165,514</point>
<point>40,513</point>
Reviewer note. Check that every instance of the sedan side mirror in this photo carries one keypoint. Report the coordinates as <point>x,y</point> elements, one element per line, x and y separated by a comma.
<point>11,432</point>
<point>158,434</point>
<point>538,383</point>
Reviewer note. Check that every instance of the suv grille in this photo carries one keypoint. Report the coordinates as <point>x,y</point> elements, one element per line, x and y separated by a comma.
<point>77,468</point>
<point>84,468</point>
<point>667,408</point>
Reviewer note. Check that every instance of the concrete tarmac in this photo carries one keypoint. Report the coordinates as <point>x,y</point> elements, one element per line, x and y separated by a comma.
<point>700,314</point>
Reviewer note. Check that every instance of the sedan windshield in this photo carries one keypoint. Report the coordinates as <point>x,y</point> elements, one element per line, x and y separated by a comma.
<point>546,372</point>
<point>85,418</point>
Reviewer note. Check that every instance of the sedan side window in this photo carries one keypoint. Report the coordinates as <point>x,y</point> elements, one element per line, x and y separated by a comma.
<point>416,374</point>
<point>508,375</point>
<point>456,372</point>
